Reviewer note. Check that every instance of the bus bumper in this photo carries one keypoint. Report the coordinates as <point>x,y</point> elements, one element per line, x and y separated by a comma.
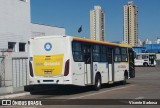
<point>38,80</point>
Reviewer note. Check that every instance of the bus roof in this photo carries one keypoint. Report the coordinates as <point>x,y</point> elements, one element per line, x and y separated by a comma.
<point>85,40</point>
<point>101,42</point>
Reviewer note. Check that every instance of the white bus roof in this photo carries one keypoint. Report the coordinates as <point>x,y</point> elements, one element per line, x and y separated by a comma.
<point>84,40</point>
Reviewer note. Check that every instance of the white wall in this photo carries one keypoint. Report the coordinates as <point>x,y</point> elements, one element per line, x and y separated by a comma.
<point>45,30</point>
<point>16,26</point>
<point>14,22</point>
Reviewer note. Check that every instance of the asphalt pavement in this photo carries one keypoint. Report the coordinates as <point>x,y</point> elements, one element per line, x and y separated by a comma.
<point>146,85</point>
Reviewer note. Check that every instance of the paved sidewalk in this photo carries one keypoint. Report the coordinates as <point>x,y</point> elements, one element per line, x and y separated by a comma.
<point>29,90</point>
<point>13,95</point>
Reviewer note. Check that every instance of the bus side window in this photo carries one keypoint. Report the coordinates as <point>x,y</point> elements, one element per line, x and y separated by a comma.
<point>103,54</point>
<point>77,52</point>
<point>96,53</point>
<point>87,53</point>
<point>124,58</point>
<point>109,54</point>
<point>138,57</point>
<point>117,56</point>
<point>144,56</point>
<point>124,54</point>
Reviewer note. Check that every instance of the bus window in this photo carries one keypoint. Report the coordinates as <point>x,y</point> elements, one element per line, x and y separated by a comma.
<point>87,53</point>
<point>123,51</point>
<point>124,54</point>
<point>109,54</point>
<point>124,58</point>
<point>77,52</point>
<point>77,56</point>
<point>76,46</point>
<point>96,53</point>
<point>138,57</point>
<point>144,56</point>
<point>103,54</point>
<point>103,57</point>
<point>117,56</point>
<point>117,51</point>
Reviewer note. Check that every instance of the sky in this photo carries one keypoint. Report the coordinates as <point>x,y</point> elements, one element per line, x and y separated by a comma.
<point>71,14</point>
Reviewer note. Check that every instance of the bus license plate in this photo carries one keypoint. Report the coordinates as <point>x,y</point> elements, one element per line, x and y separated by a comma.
<point>48,72</point>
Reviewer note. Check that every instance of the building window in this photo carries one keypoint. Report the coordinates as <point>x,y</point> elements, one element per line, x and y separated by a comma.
<point>22,47</point>
<point>12,46</point>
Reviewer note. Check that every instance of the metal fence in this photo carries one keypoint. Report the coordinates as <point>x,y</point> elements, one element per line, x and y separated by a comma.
<point>20,71</point>
<point>13,71</point>
<point>2,71</point>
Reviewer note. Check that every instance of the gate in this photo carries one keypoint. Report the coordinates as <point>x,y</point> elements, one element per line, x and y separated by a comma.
<point>2,71</point>
<point>19,71</point>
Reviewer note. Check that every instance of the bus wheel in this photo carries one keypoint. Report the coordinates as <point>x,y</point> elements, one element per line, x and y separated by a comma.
<point>125,77</point>
<point>145,64</point>
<point>124,82</point>
<point>97,85</point>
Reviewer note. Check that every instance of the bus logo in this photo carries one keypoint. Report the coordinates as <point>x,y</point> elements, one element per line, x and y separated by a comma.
<point>48,46</point>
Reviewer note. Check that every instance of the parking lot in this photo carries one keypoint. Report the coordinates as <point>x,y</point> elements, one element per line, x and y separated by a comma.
<point>146,85</point>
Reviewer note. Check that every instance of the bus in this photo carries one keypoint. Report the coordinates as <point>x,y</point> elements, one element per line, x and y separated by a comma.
<point>145,59</point>
<point>67,60</point>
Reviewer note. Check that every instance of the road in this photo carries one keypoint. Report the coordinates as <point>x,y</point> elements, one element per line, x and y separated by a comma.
<point>146,85</point>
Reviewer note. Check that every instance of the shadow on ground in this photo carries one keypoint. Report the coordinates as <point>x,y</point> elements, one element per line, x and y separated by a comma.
<point>64,90</point>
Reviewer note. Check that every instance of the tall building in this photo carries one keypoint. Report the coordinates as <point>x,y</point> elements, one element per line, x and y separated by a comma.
<point>97,24</point>
<point>130,24</point>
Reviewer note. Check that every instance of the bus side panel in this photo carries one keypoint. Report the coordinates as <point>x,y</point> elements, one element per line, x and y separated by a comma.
<point>101,67</point>
<point>139,62</point>
<point>68,79</point>
<point>119,69</point>
<point>78,76</point>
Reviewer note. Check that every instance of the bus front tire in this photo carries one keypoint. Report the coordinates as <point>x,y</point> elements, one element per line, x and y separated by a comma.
<point>97,85</point>
<point>125,77</point>
<point>123,82</point>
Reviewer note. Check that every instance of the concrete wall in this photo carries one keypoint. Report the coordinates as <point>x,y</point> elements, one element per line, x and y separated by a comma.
<point>45,30</point>
<point>16,26</point>
<point>14,72</point>
<point>14,22</point>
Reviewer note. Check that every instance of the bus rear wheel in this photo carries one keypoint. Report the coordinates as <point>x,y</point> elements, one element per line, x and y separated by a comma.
<point>97,85</point>
<point>145,64</point>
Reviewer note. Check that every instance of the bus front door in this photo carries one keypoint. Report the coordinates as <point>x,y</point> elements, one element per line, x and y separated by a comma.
<point>132,56</point>
<point>151,59</point>
<point>110,65</point>
<point>88,64</point>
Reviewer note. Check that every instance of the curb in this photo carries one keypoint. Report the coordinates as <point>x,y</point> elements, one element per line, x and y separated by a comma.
<point>10,96</point>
